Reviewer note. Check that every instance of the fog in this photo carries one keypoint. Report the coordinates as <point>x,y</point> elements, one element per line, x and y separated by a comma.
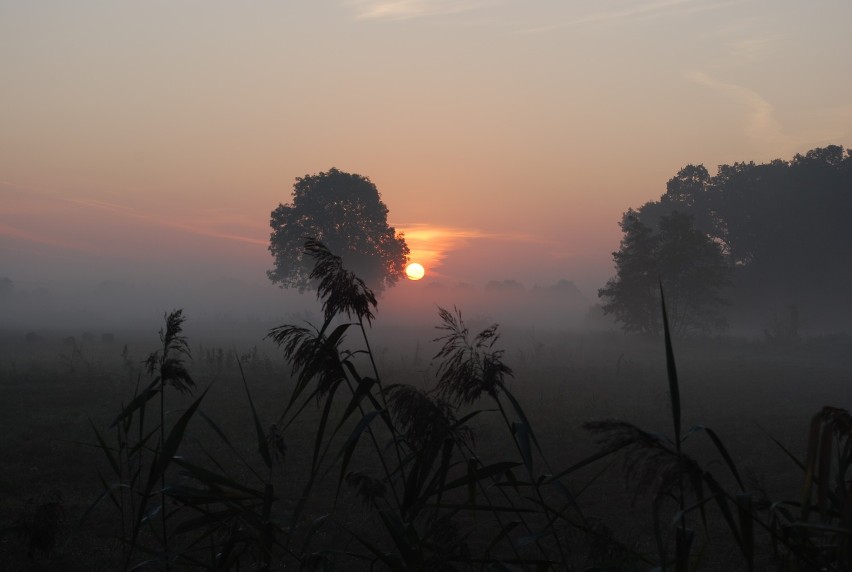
<point>755,360</point>
<point>233,305</point>
<point>231,309</point>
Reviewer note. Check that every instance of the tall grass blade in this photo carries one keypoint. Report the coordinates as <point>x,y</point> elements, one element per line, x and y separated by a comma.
<point>471,484</point>
<point>386,417</point>
<point>746,518</point>
<point>381,555</point>
<point>519,411</point>
<point>824,471</point>
<point>683,535</point>
<point>162,460</point>
<point>671,369</point>
<point>683,545</point>
<point>314,528</point>
<point>786,451</point>
<point>505,531</point>
<point>401,534</point>
<point>585,462</point>
<point>729,461</point>
<point>455,507</point>
<point>213,481</point>
<point>142,444</point>
<point>138,403</point>
<point>440,478</point>
<point>262,441</point>
<point>107,450</point>
<point>742,535</point>
<point>109,491</point>
<point>351,442</point>
<point>481,473</point>
<point>218,430</point>
<point>363,389</point>
<point>521,432</point>
<point>810,465</point>
<point>326,412</point>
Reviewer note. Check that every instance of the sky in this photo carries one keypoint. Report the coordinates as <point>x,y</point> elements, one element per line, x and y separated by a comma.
<point>148,142</point>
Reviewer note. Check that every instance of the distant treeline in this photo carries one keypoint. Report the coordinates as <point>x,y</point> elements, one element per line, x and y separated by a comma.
<point>784,229</point>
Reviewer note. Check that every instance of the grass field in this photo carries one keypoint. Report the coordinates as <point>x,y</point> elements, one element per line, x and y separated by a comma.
<point>54,392</point>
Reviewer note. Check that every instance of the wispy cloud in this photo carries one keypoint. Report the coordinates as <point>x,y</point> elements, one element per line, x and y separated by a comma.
<point>761,125</point>
<point>409,9</point>
<point>14,232</point>
<point>752,50</point>
<point>633,11</point>
<point>209,223</point>
<point>744,41</point>
<point>38,207</point>
<point>19,187</point>
<point>218,234</point>
<point>102,205</point>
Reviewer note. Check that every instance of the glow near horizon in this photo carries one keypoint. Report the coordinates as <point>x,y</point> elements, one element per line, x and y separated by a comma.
<point>499,132</point>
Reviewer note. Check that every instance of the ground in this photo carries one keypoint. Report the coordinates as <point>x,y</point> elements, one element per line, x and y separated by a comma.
<point>54,391</point>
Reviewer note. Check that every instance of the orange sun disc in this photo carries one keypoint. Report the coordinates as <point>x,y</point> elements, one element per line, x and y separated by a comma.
<point>415,271</point>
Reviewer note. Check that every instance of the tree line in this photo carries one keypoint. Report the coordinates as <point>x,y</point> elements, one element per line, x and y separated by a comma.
<point>764,242</point>
<point>756,244</point>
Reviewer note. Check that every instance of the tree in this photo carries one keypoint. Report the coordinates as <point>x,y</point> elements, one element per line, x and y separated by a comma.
<point>693,271</point>
<point>631,296</point>
<point>345,212</point>
<point>690,265</point>
<point>784,230</point>
<point>689,185</point>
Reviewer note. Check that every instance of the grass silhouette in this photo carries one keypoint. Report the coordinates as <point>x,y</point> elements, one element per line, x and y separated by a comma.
<point>408,457</point>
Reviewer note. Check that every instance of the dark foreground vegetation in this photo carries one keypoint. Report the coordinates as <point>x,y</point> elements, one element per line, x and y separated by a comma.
<point>592,455</point>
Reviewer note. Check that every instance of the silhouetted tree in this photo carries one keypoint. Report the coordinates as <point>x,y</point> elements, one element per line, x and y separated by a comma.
<point>693,271</point>
<point>690,264</point>
<point>345,212</point>
<point>564,289</point>
<point>631,296</point>
<point>783,227</point>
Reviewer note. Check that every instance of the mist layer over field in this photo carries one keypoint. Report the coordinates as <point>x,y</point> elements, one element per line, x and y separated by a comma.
<point>116,305</point>
<point>754,394</point>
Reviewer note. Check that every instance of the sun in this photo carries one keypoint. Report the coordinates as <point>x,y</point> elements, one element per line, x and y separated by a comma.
<point>415,271</point>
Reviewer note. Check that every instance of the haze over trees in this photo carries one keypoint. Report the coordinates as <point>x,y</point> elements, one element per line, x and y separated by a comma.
<point>345,212</point>
<point>690,265</point>
<point>781,229</point>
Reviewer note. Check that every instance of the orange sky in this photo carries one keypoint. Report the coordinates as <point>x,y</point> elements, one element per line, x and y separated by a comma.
<point>506,137</point>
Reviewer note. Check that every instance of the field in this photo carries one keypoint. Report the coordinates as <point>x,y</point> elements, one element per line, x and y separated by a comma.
<point>58,387</point>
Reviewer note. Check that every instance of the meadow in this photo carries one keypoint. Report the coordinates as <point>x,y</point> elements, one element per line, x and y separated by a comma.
<point>62,390</point>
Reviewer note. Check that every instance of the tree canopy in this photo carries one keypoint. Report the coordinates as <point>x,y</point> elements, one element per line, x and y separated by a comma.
<point>690,266</point>
<point>345,212</point>
<point>783,228</point>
